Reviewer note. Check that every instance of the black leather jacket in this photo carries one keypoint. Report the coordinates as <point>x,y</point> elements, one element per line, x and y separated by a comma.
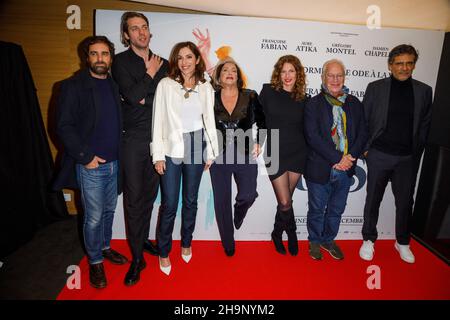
<point>247,112</point>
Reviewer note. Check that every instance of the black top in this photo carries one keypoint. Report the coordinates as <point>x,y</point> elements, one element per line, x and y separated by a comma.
<point>246,112</point>
<point>396,138</point>
<point>135,84</point>
<point>285,114</point>
<point>106,135</point>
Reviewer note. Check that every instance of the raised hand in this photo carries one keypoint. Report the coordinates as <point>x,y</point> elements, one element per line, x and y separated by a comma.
<point>153,64</point>
<point>204,46</point>
<point>203,42</point>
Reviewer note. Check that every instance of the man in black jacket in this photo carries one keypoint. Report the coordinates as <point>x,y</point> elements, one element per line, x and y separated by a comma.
<point>398,112</point>
<point>138,71</point>
<point>336,133</point>
<point>89,126</point>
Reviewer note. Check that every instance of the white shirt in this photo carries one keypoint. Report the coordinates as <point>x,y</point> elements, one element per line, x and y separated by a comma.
<point>191,111</point>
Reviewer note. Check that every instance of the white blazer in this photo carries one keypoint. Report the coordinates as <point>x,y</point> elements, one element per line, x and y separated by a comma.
<point>167,129</point>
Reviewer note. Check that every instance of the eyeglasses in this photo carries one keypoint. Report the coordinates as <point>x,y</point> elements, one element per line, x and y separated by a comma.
<point>335,76</point>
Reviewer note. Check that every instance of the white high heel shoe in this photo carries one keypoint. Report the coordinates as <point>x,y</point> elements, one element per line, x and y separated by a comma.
<point>165,270</point>
<point>186,258</point>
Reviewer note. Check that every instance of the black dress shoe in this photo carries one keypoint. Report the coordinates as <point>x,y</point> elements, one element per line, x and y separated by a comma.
<point>151,248</point>
<point>229,252</point>
<point>97,277</point>
<point>133,275</point>
<point>114,257</point>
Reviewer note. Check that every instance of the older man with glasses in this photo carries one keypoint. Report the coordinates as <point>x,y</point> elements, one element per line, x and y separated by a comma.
<point>336,133</point>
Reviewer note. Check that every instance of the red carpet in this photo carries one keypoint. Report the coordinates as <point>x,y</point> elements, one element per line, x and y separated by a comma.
<point>257,272</point>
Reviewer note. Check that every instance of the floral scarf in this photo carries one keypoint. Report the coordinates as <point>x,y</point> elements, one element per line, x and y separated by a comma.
<point>339,127</point>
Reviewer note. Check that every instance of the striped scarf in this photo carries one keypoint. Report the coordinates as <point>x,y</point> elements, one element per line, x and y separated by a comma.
<point>339,127</point>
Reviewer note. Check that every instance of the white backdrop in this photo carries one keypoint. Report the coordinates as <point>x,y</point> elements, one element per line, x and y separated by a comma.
<point>256,44</point>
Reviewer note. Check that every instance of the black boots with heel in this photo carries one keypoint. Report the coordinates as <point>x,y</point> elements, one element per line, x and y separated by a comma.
<point>285,221</point>
<point>277,233</point>
<point>291,230</point>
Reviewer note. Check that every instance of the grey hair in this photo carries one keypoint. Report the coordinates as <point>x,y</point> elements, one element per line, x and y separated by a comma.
<point>327,63</point>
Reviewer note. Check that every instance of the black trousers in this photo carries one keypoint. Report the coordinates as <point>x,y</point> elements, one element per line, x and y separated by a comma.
<point>401,171</point>
<point>140,189</point>
<point>245,175</point>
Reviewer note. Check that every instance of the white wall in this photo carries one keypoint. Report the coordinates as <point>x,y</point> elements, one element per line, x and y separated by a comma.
<point>365,57</point>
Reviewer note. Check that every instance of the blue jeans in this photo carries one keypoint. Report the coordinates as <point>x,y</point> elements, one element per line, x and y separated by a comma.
<point>326,204</point>
<point>187,170</point>
<point>99,198</point>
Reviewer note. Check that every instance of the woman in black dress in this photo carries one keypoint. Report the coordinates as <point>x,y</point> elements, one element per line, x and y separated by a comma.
<point>283,102</point>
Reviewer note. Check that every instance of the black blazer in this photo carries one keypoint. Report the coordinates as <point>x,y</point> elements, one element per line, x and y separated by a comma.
<point>322,153</point>
<point>76,118</point>
<point>376,105</point>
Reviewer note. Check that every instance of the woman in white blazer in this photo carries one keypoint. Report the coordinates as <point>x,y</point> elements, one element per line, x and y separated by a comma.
<point>184,144</point>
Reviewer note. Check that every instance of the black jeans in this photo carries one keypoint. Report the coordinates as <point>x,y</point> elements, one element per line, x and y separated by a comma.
<point>140,189</point>
<point>401,171</point>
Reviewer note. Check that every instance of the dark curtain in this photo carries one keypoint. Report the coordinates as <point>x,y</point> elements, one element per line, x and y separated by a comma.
<point>431,218</point>
<point>26,164</point>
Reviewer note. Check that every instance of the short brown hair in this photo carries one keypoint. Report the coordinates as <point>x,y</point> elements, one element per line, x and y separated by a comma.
<point>299,90</point>
<point>174,70</point>
<point>124,25</point>
<point>218,69</point>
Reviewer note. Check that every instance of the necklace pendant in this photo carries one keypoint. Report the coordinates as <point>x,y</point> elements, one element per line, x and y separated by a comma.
<point>186,95</point>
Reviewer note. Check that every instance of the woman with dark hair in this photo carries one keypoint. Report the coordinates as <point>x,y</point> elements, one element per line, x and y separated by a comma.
<point>283,102</point>
<point>183,127</point>
<point>236,110</point>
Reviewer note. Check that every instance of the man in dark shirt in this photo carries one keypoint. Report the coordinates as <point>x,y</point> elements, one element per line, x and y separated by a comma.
<point>88,124</point>
<point>398,112</point>
<point>138,71</point>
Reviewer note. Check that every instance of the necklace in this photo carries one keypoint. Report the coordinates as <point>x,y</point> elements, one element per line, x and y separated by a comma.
<point>186,95</point>
<point>187,91</point>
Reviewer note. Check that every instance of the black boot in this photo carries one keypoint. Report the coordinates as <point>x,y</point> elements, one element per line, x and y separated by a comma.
<point>277,233</point>
<point>291,229</point>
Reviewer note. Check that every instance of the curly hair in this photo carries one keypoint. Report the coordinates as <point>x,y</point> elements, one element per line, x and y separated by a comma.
<point>174,70</point>
<point>218,69</point>
<point>299,91</point>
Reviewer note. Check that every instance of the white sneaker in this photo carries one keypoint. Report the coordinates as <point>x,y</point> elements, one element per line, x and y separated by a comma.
<point>366,251</point>
<point>405,252</point>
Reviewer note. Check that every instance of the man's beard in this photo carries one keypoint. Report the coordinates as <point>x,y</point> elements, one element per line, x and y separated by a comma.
<point>99,68</point>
